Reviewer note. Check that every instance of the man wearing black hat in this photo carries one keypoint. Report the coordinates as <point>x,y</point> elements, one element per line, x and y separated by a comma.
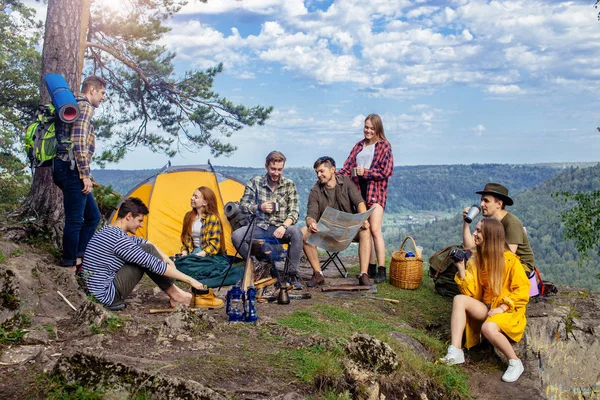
<point>494,197</point>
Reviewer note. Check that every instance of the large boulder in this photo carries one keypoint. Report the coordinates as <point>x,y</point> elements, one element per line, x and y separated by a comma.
<point>561,344</point>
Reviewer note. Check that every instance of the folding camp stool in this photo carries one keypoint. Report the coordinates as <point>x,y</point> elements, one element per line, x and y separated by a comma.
<point>333,258</point>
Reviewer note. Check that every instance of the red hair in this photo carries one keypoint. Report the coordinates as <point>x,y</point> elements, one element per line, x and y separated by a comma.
<point>210,208</point>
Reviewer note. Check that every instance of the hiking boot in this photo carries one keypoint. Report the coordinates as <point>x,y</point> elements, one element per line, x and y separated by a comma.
<point>317,280</point>
<point>514,371</point>
<point>363,280</point>
<point>381,277</point>
<point>454,356</point>
<point>372,270</point>
<point>295,283</point>
<point>206,301</point>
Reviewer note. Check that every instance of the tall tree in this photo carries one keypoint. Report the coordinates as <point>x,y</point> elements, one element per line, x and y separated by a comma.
<point>122,46</point>
<point>60,54</point>
<point>19,70</point>
<point>19,76</point>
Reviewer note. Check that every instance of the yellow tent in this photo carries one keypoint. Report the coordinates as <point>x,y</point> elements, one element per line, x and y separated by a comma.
<point>167,194</point>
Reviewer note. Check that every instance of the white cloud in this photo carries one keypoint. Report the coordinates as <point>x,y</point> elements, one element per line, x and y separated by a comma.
<point>397,48</point>
<point>504,89</point>
<point>246,75</point>
<point>479,130</point>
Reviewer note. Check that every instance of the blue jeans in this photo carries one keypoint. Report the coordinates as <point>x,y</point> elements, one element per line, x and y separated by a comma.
<point>293,236</point>
<point>82,215</point>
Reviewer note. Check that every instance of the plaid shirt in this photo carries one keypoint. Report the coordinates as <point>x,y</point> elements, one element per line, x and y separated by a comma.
<point>377,175</point>
<point>83,139</point>
<point>210,236</point>
<point>258,191</point>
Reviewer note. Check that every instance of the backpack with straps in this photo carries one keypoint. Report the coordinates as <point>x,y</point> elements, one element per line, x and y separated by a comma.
<point>41,139</point>
<point>442,270</point>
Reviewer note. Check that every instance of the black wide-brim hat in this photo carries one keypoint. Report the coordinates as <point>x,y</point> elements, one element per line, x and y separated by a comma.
<point>499,191</point>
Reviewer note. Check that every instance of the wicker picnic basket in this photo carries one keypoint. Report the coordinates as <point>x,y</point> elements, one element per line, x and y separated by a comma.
<point>406,272</point>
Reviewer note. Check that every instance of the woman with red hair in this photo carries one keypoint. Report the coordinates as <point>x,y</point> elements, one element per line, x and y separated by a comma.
<point>204,245</point>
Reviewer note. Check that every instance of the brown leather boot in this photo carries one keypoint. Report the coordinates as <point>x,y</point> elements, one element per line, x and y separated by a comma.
<point>363,280</point>
<point>317,280</point>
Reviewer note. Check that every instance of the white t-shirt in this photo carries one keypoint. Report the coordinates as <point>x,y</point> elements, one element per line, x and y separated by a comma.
<point>364,159</point>
<point>196,228</point>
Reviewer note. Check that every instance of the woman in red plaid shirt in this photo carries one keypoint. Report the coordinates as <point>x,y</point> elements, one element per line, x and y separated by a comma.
<point>373,163</point>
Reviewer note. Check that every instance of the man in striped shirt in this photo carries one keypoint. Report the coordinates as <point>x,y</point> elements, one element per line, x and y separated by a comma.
<point>115,262</point>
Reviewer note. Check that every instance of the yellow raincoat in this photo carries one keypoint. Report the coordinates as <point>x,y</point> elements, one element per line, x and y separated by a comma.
<point>515,294</point>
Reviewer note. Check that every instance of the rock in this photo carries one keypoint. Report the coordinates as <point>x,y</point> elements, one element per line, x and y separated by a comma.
<point>184,322</point>
<point>372,354</point>
<point>293,396</point>
<point>38,336</point>
<point>20,354</point>
<point>368,391</point>
<point>561,344</point>
<point>97,372</point>
<point>91,314</point>
<point>355,374</point>
<point>413,345</point>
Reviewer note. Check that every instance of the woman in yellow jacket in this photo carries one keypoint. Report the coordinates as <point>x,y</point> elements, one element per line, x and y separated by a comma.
<point>495,294</point>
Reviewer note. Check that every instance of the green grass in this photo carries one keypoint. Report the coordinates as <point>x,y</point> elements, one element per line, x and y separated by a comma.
<point>314,365</point>
<point>11,336</point>
<point>16,253</point>
<point>53,387</point>
<point>109,325</point>
<point>50,329</point>
<point>2,258</point>
<point>418,309</point>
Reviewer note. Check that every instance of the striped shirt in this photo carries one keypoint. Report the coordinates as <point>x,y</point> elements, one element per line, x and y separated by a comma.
<point>258,191</point>
<point>105,255</point>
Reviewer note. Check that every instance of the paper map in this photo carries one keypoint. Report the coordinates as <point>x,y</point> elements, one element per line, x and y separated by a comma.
<point>336,229</point>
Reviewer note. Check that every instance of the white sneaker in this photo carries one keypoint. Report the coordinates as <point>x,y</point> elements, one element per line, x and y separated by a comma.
<point>514,371</point>
<point>454,356</point>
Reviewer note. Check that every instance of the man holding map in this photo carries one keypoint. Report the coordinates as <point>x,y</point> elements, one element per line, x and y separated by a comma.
<point>339,193</point>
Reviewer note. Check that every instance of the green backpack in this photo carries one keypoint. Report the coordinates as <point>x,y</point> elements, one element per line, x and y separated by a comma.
<point>41,142</point>
<point>442,270</point>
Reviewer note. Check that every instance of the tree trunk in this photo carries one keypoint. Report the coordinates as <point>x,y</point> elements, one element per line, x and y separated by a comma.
<point>59,55</point>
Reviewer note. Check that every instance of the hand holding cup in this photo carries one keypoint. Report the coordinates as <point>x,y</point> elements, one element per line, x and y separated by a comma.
<point>472,213</point>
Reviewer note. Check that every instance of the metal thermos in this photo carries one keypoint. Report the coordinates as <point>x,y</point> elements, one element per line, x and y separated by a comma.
<point>284,297</point>
<point>472,213</point>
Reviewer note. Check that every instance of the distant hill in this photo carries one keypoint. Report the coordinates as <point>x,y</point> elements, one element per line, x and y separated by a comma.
<point>441,188</point>
<point>539,211</point>
<point>424,193</point>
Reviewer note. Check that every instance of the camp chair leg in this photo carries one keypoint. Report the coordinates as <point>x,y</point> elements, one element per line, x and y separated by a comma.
<point>339,264</point>
<point>248,278</point>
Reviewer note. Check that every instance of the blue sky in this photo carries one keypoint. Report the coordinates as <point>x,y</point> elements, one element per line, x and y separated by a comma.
<point>455,82</point>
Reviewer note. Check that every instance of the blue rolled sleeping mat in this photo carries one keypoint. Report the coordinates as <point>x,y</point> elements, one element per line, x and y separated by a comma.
<point>62,97</point>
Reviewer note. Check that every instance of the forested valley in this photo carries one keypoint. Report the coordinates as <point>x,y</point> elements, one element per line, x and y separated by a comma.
<point>426,202</point>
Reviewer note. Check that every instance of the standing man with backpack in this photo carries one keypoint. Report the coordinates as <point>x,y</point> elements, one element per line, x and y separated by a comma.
<point>72,174</point>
